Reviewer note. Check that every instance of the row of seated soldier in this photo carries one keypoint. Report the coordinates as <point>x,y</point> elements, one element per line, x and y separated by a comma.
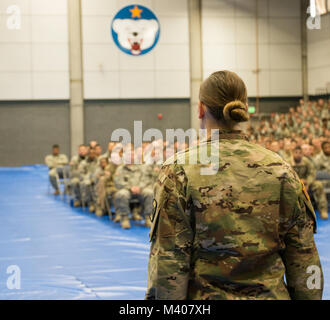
<point>112,183</point>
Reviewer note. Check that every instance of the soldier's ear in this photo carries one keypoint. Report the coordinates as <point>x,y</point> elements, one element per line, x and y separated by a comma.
<point>201,110</point>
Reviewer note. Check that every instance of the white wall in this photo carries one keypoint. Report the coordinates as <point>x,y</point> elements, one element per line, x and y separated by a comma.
<point>229,42</point>
<point>34,59</point>
<point>111,73</point>
<point>319,58</point>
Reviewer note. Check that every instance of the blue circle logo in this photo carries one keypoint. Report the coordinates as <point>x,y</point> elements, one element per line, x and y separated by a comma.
<point>135,30</point>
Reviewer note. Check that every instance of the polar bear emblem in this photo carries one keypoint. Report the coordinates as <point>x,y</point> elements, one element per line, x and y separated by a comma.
<point>135,30</point>
<point>136,35</point>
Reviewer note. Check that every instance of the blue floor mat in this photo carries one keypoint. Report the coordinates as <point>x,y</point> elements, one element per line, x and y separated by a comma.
<point>62,252</point>
<point>66,253</point>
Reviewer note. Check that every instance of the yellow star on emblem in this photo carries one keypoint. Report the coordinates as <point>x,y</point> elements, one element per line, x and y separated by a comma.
<point>136,12</point>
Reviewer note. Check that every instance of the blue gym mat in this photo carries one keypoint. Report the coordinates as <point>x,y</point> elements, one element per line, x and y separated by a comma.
<point>66,253</point>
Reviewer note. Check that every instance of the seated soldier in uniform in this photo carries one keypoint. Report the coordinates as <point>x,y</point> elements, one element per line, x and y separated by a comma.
<point>307,173</point>
<point>87,170</point>
<point>74,174</point>
<point>56,163</point>
<point>322,160</point>
<point>104,186</point>
<point>132,182</point>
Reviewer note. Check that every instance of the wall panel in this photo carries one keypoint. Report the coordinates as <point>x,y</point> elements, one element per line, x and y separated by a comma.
<point>229,42</point>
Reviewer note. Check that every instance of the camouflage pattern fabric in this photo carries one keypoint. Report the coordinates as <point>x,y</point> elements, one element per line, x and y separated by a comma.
<point>54,162</point>
<point>307,171</point>
<point>323,164</point>
<point>128,176</point>
<point>74,165</point>
<point>235,234</point>
<point>105,185</point>
<point>87,169</point>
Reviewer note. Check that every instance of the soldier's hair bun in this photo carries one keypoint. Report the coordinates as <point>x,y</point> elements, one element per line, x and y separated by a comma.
<point>235,111</point>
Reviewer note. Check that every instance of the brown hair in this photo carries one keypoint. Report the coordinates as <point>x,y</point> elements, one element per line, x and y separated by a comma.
<point>224,94</point>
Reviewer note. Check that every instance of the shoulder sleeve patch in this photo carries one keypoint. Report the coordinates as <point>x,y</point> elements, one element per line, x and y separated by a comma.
<point>154,220</point>
<point>154,208</point>
<point>304,191</point>
<point>309,206</point>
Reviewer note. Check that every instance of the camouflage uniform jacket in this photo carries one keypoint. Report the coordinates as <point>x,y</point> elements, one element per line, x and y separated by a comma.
<point>87,169</point>
<point>232,235</point>
<point>132,175</point>
<point>109,182</point>
<point>56,161</point>
<point>322,162</point>
<point>74,164</point>
<point>108,172</point>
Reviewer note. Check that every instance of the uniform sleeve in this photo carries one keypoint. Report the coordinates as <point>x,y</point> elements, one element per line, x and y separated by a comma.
<point>171,238</point>
<point>300,256</point>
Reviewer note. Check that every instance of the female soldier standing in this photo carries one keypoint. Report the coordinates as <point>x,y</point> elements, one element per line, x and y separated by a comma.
<point>236,233</point>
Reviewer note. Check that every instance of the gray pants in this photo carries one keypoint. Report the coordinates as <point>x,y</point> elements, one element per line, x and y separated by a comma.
<point>87,192</point>
<point>58,173</point>
<point>75,187</point>
<point>122,201</point>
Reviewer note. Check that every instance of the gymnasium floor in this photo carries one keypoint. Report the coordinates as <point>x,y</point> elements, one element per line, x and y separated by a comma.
<point>65,253</point>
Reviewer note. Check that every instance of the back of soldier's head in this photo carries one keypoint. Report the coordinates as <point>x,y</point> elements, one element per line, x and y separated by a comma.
<point>225,96</point>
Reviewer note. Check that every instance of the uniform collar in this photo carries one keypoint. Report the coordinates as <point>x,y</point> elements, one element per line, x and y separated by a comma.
<point>228,135</point>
